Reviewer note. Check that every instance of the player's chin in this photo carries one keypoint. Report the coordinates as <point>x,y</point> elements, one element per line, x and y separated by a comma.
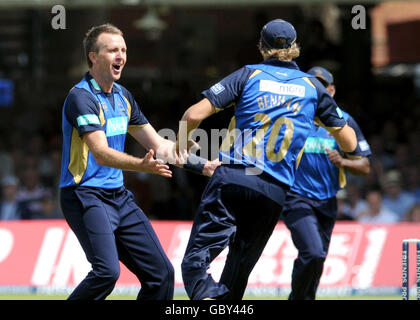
<point>116,76</point>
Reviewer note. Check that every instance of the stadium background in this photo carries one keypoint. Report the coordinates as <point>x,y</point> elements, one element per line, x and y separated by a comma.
<point>178,48</point>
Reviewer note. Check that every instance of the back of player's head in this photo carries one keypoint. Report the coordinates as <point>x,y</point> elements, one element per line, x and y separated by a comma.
<point>278,40</point>
<point>278,34</point>
<point>90,40</point>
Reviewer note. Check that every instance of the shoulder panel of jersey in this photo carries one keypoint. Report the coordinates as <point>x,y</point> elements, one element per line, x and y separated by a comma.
<point>227,91</point>
<point>83,84</point>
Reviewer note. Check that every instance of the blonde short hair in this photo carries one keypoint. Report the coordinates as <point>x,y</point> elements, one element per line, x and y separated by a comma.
<point>287,54</point>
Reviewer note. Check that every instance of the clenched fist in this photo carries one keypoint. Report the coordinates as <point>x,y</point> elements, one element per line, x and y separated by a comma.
<point>335,157</point>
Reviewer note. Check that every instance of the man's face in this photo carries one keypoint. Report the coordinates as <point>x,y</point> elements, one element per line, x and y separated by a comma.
<point>329,86</point>
<point>109,61</point>
<point>331,89</point>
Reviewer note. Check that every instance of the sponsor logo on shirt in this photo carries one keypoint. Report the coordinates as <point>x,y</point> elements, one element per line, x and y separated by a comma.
<point>282,88</point>
<point>363,145</point>
<point>87,119</point>
<point>217,88</point>
<point>116,126</point>
<point>318,145</point>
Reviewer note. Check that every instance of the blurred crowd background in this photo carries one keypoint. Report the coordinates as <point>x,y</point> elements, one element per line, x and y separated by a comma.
<point>175,52</point>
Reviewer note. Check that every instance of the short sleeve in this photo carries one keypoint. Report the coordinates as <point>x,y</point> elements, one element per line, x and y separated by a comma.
<point>137,117</point>
<point>363,148</point>
<point>82,111</point>
<point>327,113</point>
<point>227,91</point>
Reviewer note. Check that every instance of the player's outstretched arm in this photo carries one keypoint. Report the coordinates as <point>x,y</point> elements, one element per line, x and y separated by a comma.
<point>166,150</point>
<point>148,137</point>
<point>106,156</point>
<point>191,119</point>
<point>156,166</point>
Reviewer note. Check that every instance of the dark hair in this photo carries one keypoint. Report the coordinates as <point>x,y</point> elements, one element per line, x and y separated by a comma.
<point>89,42</point>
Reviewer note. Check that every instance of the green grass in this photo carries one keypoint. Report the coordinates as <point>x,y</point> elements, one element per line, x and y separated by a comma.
<point>181,297</point>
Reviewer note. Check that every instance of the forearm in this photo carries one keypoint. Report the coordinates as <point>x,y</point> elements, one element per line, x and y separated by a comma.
<point>189,161</point>
<point>191,119</point>
<point>346,138</point>
<point>116,159</point>
<point>97,144</point>
<point>357,167</point>
<point>187,125</point>
<point>110,157</point>
<point>165,150</point>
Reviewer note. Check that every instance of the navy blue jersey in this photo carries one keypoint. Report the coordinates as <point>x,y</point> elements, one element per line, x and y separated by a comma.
<point>317,177</point>
<point>276,104</point>
<point>87,109</point>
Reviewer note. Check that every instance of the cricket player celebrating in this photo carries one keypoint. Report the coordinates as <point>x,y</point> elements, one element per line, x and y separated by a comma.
<point>310,209</point>
<point>275,106</point>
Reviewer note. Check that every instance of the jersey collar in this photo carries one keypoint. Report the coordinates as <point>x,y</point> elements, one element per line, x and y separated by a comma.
<point>95,86</point>
<point>279,63</point>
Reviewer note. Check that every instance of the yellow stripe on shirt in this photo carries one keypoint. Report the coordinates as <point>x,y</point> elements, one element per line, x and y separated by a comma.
<point>79,153</point>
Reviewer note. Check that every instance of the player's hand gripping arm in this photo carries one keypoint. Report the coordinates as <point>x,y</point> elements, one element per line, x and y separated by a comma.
<point>166,149</point>
<point>106,156</point>
<point>358,167</point>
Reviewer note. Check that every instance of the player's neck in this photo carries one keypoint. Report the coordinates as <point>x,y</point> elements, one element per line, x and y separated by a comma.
<point>105,84</point>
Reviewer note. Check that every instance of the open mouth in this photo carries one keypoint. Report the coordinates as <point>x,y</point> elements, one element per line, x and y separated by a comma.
<point>116,67</point>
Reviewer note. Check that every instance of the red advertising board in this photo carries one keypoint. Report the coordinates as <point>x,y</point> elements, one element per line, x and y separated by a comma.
<point>361,256</point>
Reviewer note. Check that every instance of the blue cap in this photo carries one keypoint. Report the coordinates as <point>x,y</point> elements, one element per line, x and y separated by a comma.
<point>278,34</point>
<point>322,73</point>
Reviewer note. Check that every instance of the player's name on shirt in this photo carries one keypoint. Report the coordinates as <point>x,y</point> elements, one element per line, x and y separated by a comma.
<point>268,101</point>
<point>280,94</point>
